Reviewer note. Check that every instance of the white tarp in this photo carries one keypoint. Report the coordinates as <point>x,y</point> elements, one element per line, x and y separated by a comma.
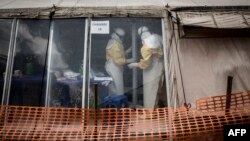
<point>206,63</point>
<point>149,8</point>
<point>11,4</point>
<point>233,19</point>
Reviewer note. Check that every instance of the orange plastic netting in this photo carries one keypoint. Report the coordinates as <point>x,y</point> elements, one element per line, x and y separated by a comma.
<point>40,123</point>
<point>218,103</point>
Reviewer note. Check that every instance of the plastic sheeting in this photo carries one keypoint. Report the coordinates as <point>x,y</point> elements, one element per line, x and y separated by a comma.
<point>131,8</point>
<point>234,19</point>
<point>11,4</point>
<point>206,63</point>
<point>40,9</point>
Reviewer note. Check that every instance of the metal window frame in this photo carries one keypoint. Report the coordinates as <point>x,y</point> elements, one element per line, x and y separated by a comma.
<point>10,62</point>
<point>85,84</point>
<point>48,67</point>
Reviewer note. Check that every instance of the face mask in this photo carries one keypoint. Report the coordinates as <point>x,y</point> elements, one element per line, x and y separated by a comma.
<point>121,37</point>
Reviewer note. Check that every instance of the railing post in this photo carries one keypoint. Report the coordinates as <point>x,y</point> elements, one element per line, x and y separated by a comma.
<point>229,91</point>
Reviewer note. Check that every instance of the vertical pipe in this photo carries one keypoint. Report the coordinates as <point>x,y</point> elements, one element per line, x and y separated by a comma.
<point>85,84</point>
<point>10,61</point>
<point>134,56</point>
<point>96,95</point>
<point>96,109</point>
<point>85,63</point>
<point>229,91</point>
<point>48,82</point>
<point>89,58</point>
<point>47,96</point>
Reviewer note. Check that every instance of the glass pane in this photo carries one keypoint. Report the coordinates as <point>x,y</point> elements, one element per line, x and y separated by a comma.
<point>5,32</point>
<point>28,74</point>
<point>127,63</point>
<point>66,58</point>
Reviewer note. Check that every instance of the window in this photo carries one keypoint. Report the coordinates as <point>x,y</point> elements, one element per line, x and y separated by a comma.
<point>65,63</point>
<point>126,65</point>
<point>28,74</point>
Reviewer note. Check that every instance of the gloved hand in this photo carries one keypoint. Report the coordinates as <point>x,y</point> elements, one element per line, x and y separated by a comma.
<point>128,51</point>
<point>131,60</point>
<point>105,83</point>
<point>133,65</point>
<point>69,74</point>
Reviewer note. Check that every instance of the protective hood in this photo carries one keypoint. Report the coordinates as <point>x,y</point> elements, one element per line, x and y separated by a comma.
<point>153,41</point>
<point>114,38</point>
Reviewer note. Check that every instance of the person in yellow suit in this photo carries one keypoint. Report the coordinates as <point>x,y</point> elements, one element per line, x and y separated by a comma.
<point>115,60</point>
<point>151,64</point>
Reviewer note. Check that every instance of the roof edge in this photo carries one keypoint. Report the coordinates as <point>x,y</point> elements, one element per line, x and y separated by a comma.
<point>74,12</point>
<point>209,8</point>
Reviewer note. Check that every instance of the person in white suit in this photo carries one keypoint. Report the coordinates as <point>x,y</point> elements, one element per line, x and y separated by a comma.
<point>115,60</point>
<point>151,64</point>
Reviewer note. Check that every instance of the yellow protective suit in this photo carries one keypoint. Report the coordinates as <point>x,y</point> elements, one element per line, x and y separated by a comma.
<point>114,65</point>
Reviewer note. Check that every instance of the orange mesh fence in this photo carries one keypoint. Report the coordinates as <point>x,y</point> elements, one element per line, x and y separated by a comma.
<point>39,123</point>
<point>218,103</point>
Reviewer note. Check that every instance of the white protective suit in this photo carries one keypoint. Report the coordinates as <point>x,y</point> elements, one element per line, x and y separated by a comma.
<point>152,72</point>
<point>152,65</point>
<point>114,65</point>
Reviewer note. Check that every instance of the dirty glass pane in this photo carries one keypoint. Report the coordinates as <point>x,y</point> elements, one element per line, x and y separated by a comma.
<point>28,74</point>
<point>5,32</point>
<point>65,63</point>
<point>126,67</point>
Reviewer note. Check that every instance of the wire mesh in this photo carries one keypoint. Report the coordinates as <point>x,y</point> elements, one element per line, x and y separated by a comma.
<point>40,123</point>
